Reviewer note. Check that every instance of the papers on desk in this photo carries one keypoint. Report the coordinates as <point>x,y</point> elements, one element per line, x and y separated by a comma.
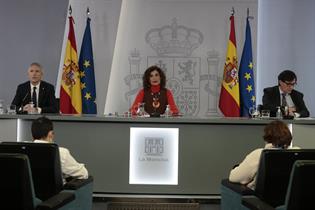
<point>305,118</point>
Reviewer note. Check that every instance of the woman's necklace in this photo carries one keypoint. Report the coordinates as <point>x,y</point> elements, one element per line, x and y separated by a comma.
<point>156,100</point>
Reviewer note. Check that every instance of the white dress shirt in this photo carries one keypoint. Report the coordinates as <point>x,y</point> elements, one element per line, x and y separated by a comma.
<point>69,166</point>
<point>39,110</point>
<point>287,98</point>
<point>289,102</point>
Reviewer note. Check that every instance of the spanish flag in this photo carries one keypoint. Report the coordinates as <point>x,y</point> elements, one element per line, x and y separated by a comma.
<point>70,90</point>
<point>229,102</point>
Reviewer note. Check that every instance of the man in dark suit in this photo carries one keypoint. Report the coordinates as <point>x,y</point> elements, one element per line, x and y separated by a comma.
<point>284,95</point>
<point>35,95</point>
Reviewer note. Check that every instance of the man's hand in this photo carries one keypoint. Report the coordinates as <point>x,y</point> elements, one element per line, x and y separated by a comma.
<point>291,111</point>
<point>30,109</point>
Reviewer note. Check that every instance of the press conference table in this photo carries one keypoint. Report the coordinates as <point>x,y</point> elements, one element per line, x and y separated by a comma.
<point>208,148</point>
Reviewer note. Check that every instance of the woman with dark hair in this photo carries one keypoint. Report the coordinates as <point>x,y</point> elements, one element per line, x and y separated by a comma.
<point>154,95</point>
<point>276,136</point>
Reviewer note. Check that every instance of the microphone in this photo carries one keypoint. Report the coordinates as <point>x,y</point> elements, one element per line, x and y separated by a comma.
<point>23,100</point>
<point>22,103</point>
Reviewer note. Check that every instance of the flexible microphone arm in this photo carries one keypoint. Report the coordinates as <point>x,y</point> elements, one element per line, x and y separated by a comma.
<point>23,100</point>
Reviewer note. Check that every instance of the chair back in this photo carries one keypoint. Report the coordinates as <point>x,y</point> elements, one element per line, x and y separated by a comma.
<point>45,165</point>
<point>301,190</point>
<point>274,173</point>
<point>16,186</point>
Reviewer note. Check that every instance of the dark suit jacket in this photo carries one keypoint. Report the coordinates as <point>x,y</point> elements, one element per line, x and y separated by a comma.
<point>46,97</point>
<point>271,99</point>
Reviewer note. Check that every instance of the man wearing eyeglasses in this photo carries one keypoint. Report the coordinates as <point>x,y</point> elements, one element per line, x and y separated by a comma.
<point>284,95</point>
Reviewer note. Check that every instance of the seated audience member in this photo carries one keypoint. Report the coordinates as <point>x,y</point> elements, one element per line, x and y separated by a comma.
<point>37,91</point>
<point>284,95</point>
<point>154,95</point>
<point>43,132</point>
<point>276,136</point>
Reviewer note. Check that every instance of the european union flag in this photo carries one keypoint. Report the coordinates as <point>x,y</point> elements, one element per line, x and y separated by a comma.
<point>86,66</point>
<point>246,75</point>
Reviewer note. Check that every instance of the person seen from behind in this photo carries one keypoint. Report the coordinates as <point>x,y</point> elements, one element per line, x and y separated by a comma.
<point>43,132</point>
<point>276,136</point>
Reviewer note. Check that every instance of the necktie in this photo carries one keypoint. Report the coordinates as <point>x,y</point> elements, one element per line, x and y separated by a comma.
<point>34,97</point>
<point>284,101</point>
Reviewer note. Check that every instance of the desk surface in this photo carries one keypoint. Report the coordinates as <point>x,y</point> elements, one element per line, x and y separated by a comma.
<point>181,119</point>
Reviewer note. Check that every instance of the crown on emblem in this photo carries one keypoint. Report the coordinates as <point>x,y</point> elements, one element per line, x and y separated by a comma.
<point>135,53</point>
<point>174,40</point>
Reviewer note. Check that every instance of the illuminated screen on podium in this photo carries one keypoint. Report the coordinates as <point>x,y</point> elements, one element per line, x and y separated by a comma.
<point>153,156</point>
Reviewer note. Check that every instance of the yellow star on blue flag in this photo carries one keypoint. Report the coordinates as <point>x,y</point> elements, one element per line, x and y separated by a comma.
<point>246,72</point>
<point>86,66</point>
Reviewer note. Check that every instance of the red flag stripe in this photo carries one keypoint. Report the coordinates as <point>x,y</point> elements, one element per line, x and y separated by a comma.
<point>232,31</point>
<point>71,36</point>
<point>65,103</point>
<point>228,106</point>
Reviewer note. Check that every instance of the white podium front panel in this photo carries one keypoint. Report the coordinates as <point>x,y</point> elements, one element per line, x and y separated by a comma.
<point>153,156</point>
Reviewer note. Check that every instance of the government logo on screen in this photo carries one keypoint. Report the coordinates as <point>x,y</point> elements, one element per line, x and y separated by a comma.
<point>154,146</point>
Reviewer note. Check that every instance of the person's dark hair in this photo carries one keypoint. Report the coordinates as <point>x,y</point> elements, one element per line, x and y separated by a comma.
<point>41,127</point>
<point>287,75</point>
<point>278,134</point>
<point>146,77</point>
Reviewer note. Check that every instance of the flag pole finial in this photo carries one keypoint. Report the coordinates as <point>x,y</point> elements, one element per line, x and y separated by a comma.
<point>88,11</point>
<point>232,11</point>
<point>249,17</point>
<point>70,10</point>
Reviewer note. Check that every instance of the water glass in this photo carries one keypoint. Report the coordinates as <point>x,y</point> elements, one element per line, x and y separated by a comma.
<point>265,113</point>
<point>254,111</point>
<point>2,111</point>
<point>167,112</point>
<point>11,109</point>
<point>31,108</point>
<point>140,111</point>
<point>127,114</point>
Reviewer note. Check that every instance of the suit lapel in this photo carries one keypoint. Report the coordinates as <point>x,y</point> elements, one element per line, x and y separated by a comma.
<point>41,94</point>
<point>294,98</point>
<point>277,96</point>
<point>28,93</point>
